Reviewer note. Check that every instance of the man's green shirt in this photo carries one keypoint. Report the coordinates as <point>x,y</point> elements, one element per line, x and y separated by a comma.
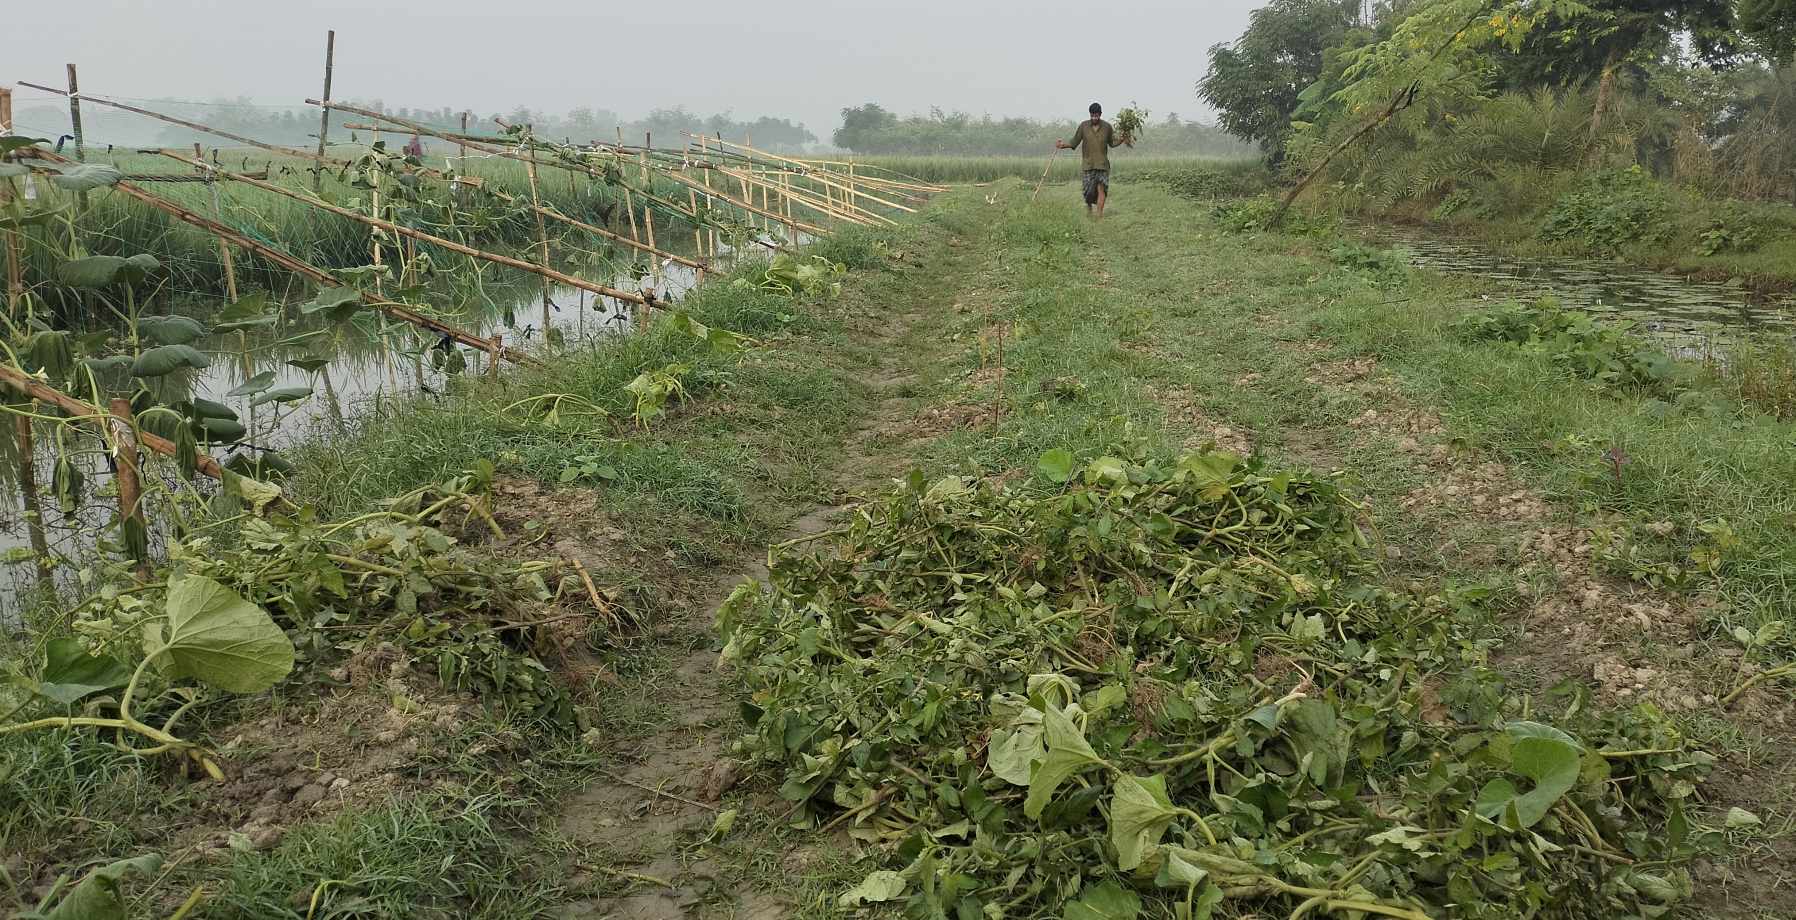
<point>1094,142</point>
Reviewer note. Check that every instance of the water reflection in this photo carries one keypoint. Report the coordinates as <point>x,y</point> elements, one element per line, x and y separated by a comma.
<point>348,366</point>
<point>1690,315</point>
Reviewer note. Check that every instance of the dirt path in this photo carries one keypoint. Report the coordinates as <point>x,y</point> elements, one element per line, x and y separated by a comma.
<point>641,826</point>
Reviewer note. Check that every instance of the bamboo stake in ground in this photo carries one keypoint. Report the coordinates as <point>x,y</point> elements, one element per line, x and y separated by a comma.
<point>324,118</point>
<point>75,115</point>
<point>130,487</point>
<point>542,232</point>
<point>224,250</point>
<point>648,213</point>
<point>29,504</point>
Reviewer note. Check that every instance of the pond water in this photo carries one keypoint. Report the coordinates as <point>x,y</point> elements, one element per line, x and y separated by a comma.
<point>1689,314</point>
<point>365,361</point>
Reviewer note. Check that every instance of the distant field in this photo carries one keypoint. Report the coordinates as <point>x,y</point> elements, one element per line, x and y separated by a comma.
<point>952,169</point>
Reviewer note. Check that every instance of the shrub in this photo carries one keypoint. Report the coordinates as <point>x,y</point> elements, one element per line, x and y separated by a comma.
<point>1610,210</point>
<point>1603,351</point>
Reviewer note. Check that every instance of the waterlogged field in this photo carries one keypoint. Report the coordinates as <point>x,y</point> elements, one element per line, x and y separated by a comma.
<point>1127,569</point>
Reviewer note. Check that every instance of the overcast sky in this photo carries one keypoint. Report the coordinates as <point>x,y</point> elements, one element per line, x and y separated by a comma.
<point>803,59</point>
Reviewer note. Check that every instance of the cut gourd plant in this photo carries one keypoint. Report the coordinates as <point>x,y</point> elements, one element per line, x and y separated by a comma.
<point>206,634</point>
<point>1144,687</point>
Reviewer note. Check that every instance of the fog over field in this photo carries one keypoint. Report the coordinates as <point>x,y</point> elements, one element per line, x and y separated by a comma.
<point>804,60</point>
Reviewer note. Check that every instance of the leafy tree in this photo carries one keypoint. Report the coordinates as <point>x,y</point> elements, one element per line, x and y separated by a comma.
<point>860,123</point>
<point>1771,25</point>
<point>1255,83</point>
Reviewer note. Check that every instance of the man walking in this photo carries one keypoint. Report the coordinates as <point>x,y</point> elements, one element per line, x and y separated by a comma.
<point>1094,138</point>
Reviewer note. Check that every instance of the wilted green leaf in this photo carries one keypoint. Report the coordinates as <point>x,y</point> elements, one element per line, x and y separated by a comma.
<point>282,395</point>
<point>1738,817</point>
<point>98,896</point>
<point>338,303</point>
<point>87,177</point>
<point>216,637</point>
<point>1056,465</point>
<point>102,271</point>
<point>1546,755</point>
<point>166,359</point>
<point>1068,753</point>
<point>883,885</point>
<point>1140,812</point>
<point>70,673</point>
<point>1104,901</point>
<point>253,385</point>
<point>170,330</point>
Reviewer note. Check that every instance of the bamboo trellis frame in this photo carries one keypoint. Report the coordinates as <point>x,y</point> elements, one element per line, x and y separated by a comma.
<point>295,264</point>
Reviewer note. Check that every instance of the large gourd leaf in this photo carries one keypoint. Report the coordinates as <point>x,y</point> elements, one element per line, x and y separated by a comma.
<point>87,177</point>
<point>102,271</point>
<point>216,637</point>
<point>1140,812</point>
<point>171,330</point>
<point>249,313</point>
<point>166,359</point>
<point>1015,751</point>
<point>98,895</point>
<point>1546,755</point>
<point>337,303</point>
<point>70,673</point>
<point>282,395</point>
<point>1068,754</point>
<point>253,385</point>
<point>1106,901</point>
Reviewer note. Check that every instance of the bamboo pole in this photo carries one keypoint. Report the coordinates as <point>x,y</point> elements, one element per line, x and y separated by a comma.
<point>15,283</point>
<point>461,158</point>
<point>42,392</point>
<point>224,249</point>
<point>324,117</point>
<point>293,263</point>
<point>704,150</point>
<point>333,161</point>
<point>75,115</point>
<point>33,509</point>
<point>648,213</point>
<point>629,202</point>
<point>422,236</point>
<point>492,359</point>
<point>217,132</point>
<point>803,199</point>
<point>425,129</point>
<point>130,485</point>
<point>542,232</point>
<point>818,177</point>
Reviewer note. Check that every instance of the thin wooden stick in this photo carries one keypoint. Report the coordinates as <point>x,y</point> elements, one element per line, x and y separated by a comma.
<point>224,249</point>
<point>1044,175</point>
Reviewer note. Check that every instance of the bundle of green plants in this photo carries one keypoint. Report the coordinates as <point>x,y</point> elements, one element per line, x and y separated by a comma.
<point>1129,123</point>
<point>1606,351</point>
<point>1143,687</point>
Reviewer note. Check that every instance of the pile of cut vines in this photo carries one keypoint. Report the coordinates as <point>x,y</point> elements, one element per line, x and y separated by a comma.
<point>1145,688</point>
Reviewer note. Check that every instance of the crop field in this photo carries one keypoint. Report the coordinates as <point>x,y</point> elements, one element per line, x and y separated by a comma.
<point>537,529</point>
<point>1060,167</point>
